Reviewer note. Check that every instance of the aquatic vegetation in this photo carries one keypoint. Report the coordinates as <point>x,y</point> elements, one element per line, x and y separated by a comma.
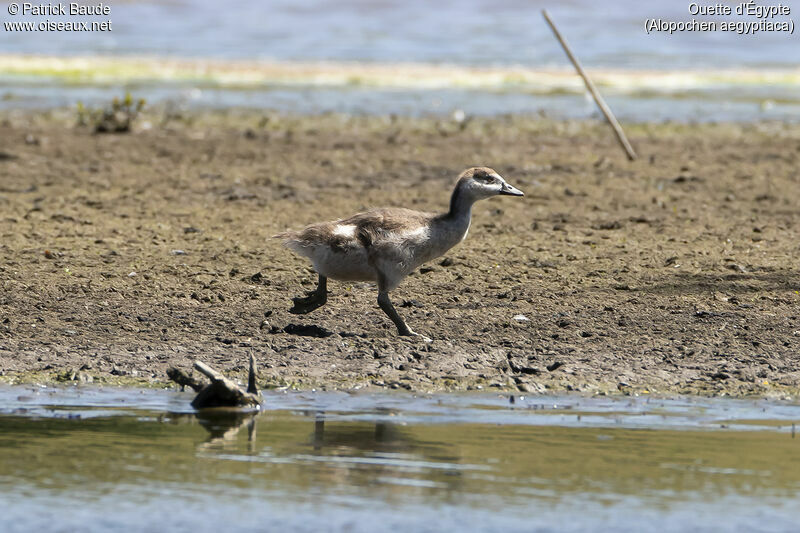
<point>250,74</point>
<point>118,117</point>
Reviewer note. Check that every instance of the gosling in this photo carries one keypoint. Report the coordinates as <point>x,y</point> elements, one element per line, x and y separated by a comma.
<point>386,245</point>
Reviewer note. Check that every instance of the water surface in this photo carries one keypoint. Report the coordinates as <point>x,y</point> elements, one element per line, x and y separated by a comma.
<point>123,460</point>
<point>464,32</point>
<point>718,72</point>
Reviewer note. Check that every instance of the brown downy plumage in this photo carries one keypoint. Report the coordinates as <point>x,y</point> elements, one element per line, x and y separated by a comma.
<point>386,245</point>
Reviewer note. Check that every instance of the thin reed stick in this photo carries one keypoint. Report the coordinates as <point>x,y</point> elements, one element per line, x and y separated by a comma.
<point>612,120</point>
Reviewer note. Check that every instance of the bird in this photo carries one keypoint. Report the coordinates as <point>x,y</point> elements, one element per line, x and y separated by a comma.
<point>385,245</point>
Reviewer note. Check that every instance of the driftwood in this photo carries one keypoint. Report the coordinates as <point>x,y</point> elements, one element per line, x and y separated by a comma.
<point>184,380</point>
<point>221,392</point>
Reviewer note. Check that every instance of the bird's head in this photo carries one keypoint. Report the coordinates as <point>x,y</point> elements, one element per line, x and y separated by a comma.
<point>478,183</point>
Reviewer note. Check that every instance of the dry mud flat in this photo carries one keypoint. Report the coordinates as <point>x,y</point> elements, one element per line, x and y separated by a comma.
<point>125,254</point>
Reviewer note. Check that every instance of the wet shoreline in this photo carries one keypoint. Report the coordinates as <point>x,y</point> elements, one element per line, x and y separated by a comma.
<point>127,254</point>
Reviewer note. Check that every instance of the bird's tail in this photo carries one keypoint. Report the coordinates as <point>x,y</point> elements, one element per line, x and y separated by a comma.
<point>292,241</point>
<point>287,236</point>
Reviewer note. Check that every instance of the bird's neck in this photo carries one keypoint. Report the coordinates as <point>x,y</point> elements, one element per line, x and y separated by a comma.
<point>452,227</point>
<point>460,206</point>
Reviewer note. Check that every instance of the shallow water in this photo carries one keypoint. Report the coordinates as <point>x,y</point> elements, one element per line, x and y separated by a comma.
<point>468,32</point>
<point>126,460</point>
<point>472,33</point>
<point>706,106</point>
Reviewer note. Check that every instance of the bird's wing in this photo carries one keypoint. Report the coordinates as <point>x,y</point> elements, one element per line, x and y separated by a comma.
<point>378,225</point>
<point>375,227</point>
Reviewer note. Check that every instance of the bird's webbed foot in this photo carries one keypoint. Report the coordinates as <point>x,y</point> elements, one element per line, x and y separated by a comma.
<point>313,300</point>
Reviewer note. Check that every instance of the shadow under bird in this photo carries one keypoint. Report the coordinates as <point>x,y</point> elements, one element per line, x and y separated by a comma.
<point>386,245</point>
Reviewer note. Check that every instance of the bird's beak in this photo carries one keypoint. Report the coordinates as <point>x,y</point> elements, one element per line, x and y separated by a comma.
<point>510,190</point>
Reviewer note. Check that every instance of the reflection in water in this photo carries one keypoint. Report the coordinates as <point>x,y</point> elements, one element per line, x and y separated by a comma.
<point>379,437</point>
<point>223,426</point>
<point>346,466</point>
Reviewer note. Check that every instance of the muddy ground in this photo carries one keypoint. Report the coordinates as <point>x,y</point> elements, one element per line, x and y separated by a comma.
<point>124,254</point>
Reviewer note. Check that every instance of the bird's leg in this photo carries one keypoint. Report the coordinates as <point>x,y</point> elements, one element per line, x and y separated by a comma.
<point>386,305</point>
<point>313,299</point>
